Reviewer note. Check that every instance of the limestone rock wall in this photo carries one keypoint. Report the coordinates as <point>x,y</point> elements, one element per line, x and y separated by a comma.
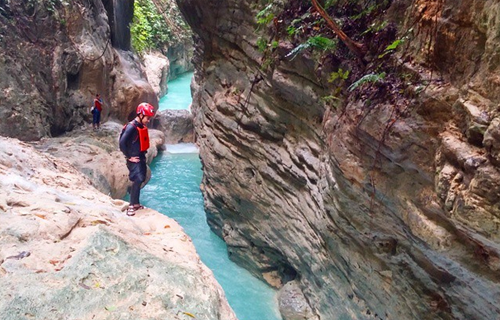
<point>387,212</point>
<point>55,56</point>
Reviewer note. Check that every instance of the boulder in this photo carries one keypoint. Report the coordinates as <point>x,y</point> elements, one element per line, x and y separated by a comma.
<point>177,125</point>
<point>157,69</point>
<point>292,303</point>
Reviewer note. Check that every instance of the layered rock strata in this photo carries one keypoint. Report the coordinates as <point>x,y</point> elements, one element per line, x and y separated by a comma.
<point>69,251</point>
<point>375,216</point>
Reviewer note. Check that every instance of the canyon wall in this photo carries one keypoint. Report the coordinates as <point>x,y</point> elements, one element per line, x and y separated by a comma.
<point>377,210</point>
<point>55,56</point>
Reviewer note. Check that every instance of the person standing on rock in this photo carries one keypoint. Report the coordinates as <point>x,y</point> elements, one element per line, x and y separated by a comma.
<point>96,112</point>
<point>134,143</point>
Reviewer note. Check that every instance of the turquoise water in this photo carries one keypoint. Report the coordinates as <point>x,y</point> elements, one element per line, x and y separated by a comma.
<point>174,191</point>
<point>178,96</point>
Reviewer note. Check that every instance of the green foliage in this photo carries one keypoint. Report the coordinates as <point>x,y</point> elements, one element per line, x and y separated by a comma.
<point>318,42</point>
<point>261,44</point>
<point>392,47</point>
<point>292,29</point>
<point>375,27</point>
<point>150,29</point>
<point>369,10</point>
<point>330,3</point>
<point>294,26</point>
<point>329,99</point>
<point>339,74</point>
<point>368,78</point>
<point>266,64</point>
<point>265,16</point>
<point>322,43</point>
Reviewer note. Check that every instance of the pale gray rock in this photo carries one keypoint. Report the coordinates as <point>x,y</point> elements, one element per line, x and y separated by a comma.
<point>68,251</point>
<point>492,140</point>
<point>177,125</point>
<point>130,85</point>
<point>292,303</point>
<point>180,56</point>
<point>157,68</point>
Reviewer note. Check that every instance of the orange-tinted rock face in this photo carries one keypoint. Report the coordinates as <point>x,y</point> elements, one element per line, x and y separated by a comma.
<point>386,210</point>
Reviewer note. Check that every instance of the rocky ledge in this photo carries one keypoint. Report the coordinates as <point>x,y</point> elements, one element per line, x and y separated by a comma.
<point>68,251</point>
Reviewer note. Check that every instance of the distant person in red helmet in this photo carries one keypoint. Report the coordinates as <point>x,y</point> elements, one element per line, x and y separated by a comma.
<point>134,143</point>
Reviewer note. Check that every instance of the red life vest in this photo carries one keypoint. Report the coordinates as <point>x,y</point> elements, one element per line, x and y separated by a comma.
<point>142,133</point>
<point>143,138</point>
<point>98,104</point>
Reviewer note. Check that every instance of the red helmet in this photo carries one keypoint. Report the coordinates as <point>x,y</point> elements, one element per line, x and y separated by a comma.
<point>145,109</point>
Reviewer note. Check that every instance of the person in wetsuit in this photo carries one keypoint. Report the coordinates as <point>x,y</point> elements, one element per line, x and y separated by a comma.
<point>134,143</point>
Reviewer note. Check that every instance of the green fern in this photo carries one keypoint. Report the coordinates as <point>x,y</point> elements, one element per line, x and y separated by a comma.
<point>317,42</point>
<point>369,78</point>
<point>265,15</point>
<point>392,47</point>
<point>375,27</point>
<point>261,44</point>
<point>295,51</point>
<point>339,74</point>
<point>292,28</point>
<point>322,43</point>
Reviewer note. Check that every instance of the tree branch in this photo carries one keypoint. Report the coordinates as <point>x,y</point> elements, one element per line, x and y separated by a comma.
<point>354,47</point>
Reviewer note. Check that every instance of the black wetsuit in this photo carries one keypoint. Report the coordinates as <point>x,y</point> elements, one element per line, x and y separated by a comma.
<point>131,147</point>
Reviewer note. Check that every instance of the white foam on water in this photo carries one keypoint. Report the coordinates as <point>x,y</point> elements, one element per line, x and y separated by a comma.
<point>182,148</point>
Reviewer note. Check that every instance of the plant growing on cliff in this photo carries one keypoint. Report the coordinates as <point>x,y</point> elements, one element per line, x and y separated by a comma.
<point>265,16</point>
<point>339,74</point>
<point>155,26</point>
<point>353,46</point>
<point>391,48</point>
<point>51,6</point>
<point>318,42</point>
<point>368,78</point>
